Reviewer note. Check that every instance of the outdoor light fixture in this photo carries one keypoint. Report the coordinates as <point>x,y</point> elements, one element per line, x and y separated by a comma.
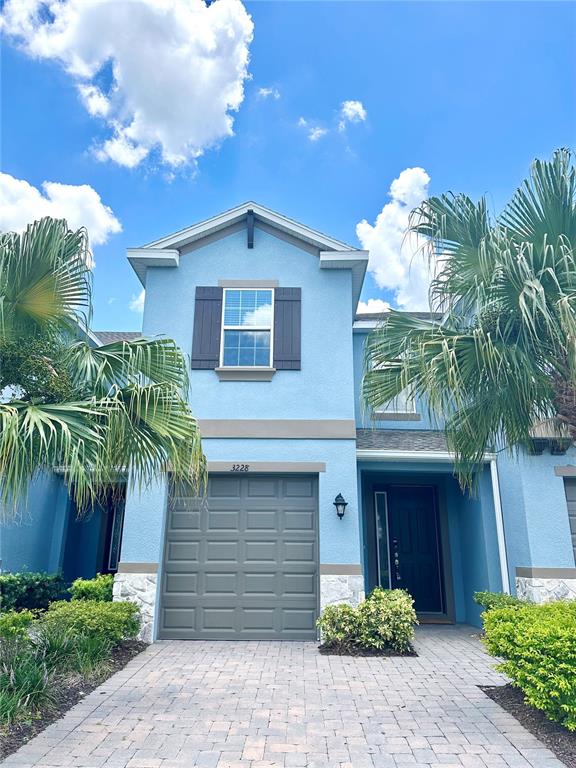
<point>340,505</point>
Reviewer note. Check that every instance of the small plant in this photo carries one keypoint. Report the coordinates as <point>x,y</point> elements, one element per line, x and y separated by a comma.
<point>98,588</point>
<point>26,682</point>
<point>387,620</point>
<point>113,621</point>
<point>538,645</point>
<point>34,591</point>
<point>15,623</point>
<point>383,622</point>
<point>491,600</point>
<point>339,626</point>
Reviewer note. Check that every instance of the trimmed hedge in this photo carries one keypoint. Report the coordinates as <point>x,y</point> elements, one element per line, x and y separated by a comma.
<point>538,645</point>
<point>383,622</point>
<point>34,591</point>
<point>15,623</point>
<point>113,621</point>
<point>98,588</point>
<point>491,600</point>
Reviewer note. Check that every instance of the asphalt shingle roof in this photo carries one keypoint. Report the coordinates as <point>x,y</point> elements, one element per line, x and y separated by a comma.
<point>108,337</point>
<point>401,440</point>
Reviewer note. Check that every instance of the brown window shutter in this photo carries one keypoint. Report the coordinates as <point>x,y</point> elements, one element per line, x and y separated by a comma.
<point>287,328</point>
<point>207,326</point>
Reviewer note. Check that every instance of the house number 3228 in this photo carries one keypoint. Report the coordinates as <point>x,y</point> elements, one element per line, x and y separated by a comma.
<point>240,468</point>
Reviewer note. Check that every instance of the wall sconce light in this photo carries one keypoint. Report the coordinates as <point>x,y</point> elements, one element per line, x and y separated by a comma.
<point>340,505</point>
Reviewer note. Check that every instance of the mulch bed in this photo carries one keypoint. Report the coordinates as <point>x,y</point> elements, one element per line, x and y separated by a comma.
<point>553,735</point>
<point>336,649</point>
<point>66,697</point>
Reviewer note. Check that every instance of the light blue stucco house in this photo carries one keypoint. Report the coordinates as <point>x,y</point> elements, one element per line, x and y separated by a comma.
<point>266,309</point>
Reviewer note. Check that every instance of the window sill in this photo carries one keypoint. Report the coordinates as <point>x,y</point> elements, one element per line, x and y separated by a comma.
<point>396,417</point>
<point>248,373</point>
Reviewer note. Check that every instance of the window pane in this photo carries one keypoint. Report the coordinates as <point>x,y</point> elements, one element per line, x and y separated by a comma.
<point>402,403</point>
<point>246,348</point>
<point>248,308</point>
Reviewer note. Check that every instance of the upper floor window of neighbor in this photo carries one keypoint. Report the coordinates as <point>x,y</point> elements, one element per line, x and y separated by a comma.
<point>402,403</point>
<point>248,315</point>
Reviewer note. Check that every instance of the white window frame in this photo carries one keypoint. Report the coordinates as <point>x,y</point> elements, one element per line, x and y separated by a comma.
<point>247,328</point>
<point>390,407</point>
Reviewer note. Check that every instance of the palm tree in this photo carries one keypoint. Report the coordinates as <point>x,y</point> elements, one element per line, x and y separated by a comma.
<point>500,359</point>
<point>90,412</point>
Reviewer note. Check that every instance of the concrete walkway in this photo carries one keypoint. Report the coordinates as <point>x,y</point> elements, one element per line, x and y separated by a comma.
<point>276,705</point>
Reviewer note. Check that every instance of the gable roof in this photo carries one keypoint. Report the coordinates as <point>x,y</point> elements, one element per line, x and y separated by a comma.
<point>333,254</point>
<point>223,220</point>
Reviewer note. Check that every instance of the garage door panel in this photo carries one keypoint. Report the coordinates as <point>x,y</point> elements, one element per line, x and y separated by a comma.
<point>223,487</point>
<point>302,488</point>
<point>246,565</point>
<point>222,551</point>
<point>181,583</point>
<point>265,520</point>
<point>220,583</point>
<point>298,551</point>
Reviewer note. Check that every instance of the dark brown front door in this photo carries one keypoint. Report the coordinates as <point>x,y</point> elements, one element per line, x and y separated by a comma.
<point>414,542</point>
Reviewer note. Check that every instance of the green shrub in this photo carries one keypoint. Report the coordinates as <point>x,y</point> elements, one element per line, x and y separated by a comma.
<point>29,590</point>
<point>538,645</point>
<point>384,621</point>
<point>387,620</point>
<point>99,588</point>
<point>491,600</point>
<point>113,621</point>
<point>339,626</point>
<point>15,623</point>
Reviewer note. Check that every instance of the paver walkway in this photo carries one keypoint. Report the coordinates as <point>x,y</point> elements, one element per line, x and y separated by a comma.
<point>276,705</point>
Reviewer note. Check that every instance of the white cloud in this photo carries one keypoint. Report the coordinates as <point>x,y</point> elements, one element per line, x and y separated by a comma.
<point>137,302</point>
<point>268,93</point>
<point>81,206</point>
<point>351,112</point>
<point>177,68</point>
<point>396,262</point>
<point>372,305</point>
<point>316,133</point>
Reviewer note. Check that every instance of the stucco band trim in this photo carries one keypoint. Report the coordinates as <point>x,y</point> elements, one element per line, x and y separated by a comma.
<point>137,567</point>
<point>340,569</point>
<point>276,467</point>
<point>248,283</point>
<point>546,573</point>
<point>566,471</point>
<point>303,429</point>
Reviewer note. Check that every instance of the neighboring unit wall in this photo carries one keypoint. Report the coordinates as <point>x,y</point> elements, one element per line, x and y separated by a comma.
<point>540,553</point>
<point>34,541</point>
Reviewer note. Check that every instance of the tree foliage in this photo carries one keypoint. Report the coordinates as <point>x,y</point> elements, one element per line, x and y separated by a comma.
<point>91,412</point>
<point>499,361</point>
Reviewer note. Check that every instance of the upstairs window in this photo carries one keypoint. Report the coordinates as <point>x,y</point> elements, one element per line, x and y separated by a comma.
<point>247,322</point>
<point>403,403</point>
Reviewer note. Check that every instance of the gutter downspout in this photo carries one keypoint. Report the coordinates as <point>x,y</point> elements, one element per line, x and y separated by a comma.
<point>500,527</point>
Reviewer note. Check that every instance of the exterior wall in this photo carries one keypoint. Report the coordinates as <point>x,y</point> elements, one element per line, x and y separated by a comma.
<point>322,390</point>
<point>35,540</point>
<point>535,514</point>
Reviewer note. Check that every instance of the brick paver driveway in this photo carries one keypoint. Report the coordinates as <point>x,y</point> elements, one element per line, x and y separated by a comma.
<point>272,704</point>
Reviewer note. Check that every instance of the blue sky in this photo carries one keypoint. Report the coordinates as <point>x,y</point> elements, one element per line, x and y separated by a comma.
<point>469,92</point>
